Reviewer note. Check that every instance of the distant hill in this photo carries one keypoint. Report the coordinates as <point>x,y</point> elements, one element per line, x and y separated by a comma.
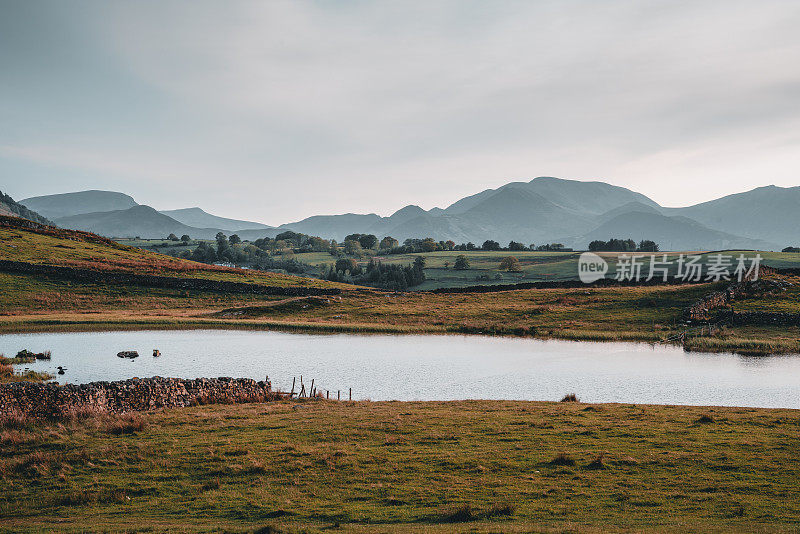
<point>770,213</point>
<point>542,210</point>
<point>67,204</point>
<point>333,226</point>
<point>671,233</point>
<point>526,211</point>
<point>10,208</point>
<point>142,221</point>
<point>198,218</point>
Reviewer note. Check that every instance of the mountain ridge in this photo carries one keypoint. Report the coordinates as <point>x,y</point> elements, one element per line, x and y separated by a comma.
<point>544,209</point>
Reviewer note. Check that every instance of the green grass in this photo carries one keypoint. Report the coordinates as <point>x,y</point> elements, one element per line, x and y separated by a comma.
<point>484,466</point>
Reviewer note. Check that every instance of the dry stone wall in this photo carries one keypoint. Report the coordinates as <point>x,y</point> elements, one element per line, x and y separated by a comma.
<point>138,394</point>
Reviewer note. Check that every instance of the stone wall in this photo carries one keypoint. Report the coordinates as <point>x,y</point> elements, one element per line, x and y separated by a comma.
<point>169,282</point>
<point>138,394</point>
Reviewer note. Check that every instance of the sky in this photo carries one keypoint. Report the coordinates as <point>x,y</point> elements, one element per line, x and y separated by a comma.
<point>274,111</point>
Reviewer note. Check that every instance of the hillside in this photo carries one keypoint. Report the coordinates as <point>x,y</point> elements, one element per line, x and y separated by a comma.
<point>769,213</point>
<point>198,218</point>
<point>37,244</point>
<point>10,208</point>
<point>68,204</point>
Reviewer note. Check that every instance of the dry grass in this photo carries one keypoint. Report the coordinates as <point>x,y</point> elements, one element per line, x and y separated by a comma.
<point>465,466</point>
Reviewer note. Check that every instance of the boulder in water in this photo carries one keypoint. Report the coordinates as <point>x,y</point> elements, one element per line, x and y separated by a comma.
<point>128,354</point>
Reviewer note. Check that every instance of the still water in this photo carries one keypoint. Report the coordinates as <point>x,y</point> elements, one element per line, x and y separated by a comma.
<point>427,367</point>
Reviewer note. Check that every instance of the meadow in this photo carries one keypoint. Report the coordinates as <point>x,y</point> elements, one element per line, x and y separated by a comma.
<point>476,466</point>
<point>484,266</point>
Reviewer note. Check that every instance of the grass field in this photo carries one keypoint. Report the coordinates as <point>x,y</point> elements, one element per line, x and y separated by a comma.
<point>650,314</point>
<point>485,265</point>
<point>477,466</point>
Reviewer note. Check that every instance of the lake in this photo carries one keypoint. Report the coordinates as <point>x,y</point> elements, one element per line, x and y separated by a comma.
<point>428,367</point>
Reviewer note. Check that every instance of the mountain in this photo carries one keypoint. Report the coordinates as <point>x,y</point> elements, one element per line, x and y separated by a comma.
<point>10,208</point>
<point>671,233</point>
<point>333,226</point>
<point>770,213</point>
<point>67,204</point>
<point>541,210</point>
<point>200,219</point>
<point>583,197</point>
<point>525,211</point>
<point>141,221</point>
<point>630,207</point>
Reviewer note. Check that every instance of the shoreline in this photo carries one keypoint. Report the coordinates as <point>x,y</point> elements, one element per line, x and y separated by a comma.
<point>42,323</point>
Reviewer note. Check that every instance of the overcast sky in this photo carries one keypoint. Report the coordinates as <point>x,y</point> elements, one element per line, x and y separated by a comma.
<point>274,111</point>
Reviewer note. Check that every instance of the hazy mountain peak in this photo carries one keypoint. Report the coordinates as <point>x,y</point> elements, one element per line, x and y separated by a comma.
<point>407,212</point>
<point>67,204</point>
<point>200,218</point>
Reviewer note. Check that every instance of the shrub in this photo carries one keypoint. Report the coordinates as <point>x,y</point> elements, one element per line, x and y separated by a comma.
<point>457,513</point>
<point>562,458</point>
<point>461,263</point>
<point>126,424</point>
<point>597,463</point>
<point>500,509</point>
<point>570,397</point>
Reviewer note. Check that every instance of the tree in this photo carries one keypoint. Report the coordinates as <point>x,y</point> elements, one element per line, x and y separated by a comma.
<point>513,245</point>
<point>388,243</point>
<point>461,263</point>
<point>353,247</point>
<point>172,237</point>
<point>490,245</point>
<point>368,241</point>
<point>223,247</point>
<point>648,246</point>
<point>185,238</point>
<point>234,239</point>
<point>352,237</point>
<point>449,244</point>
<point>347,265</point>
<point>791,249</point>
<point>510,263</point>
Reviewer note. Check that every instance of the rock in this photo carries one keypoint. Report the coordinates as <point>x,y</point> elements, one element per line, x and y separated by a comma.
<point>128,354</point>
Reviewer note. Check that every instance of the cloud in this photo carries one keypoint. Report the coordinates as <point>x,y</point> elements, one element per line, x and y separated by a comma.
<point>370,106</point>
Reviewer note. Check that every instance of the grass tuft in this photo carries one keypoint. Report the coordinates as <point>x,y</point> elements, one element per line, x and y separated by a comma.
<point>570,397</point>
<point>562,458</point>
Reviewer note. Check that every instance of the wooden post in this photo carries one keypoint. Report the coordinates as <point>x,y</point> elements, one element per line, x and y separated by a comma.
<point>338,395</point>
<point>351,393</point>
<point>312,387</point>
<point>292,392</point>
<point>327,394</point>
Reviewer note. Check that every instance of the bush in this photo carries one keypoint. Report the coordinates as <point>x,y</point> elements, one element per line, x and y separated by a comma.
<point>562,458</point>
<point>461,263</point>
<point>570,397</point>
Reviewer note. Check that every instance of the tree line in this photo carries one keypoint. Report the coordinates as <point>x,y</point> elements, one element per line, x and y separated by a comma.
<point>623,245</point>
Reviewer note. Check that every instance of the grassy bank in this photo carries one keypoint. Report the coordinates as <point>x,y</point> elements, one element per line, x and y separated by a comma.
<point>484,466</point>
